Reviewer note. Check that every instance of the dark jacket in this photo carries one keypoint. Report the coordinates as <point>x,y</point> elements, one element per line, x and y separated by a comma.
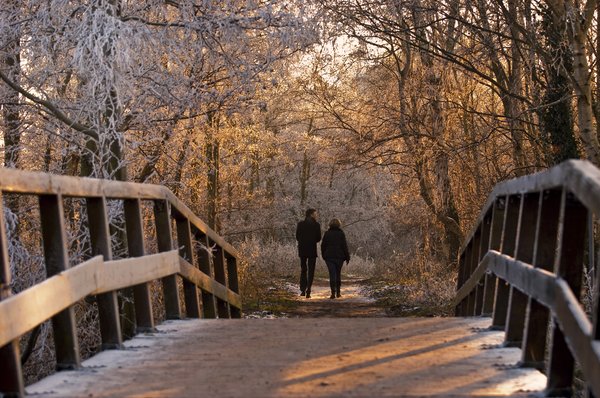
<point>334,245</point>
<point>308,233</point>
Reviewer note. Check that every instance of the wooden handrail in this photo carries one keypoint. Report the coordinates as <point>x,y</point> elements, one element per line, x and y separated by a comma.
<point>209,274</point>
<point>46,299</point>
<point>523,262</point>
<point>37,183</point>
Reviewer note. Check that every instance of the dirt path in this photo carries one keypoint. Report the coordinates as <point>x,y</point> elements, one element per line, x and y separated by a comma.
<point>354,302</point>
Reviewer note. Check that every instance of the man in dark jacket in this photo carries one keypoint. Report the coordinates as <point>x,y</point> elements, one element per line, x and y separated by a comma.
<point>308,233</point>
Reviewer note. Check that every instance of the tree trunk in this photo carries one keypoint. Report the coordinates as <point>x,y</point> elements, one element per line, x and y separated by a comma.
<point>583,92</point>
<point>212,181</point>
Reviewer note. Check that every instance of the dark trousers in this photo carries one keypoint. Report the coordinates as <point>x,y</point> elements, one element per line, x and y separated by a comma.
<point>334,265</point>
<point>307,273</point>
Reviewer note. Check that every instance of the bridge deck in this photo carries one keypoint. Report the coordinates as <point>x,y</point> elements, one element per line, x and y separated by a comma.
<point>304,357</point>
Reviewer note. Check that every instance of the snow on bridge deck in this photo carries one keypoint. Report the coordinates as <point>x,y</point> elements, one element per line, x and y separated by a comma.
<point>319,357</point>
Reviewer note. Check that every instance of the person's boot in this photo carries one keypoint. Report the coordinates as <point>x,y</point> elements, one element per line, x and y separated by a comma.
<point>303,293</point>
<point>307,294</point>
<point>332,295</point>
<point>338,295</point>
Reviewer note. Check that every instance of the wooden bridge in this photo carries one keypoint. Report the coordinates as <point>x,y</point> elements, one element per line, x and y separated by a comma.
<point>518,306</point>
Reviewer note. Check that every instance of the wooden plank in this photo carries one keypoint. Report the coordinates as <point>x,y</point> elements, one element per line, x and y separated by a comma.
<point>579,176</point>
<point>179,207</point>
<point>204,282</point>
<point>108,308</point>
<point>31,307</point>
<point>208,300</point>
<point>164,237</point>
<point>127,272</point>
<point>136,248</point>
<point>11,374</point>
<point>515,321</point>
<point>293,357</point>
<point>94,276</point>
<point>491,281</point>
<point>220,276</point>
<point>577,330</point>
<point>57,260</point>
<point>28,182</point>
<point>554,293</point>
<point>37,183</point>
<point>507,246</point>
<point>186,251</point>
<point>537,322</point>
<point>232,277</point>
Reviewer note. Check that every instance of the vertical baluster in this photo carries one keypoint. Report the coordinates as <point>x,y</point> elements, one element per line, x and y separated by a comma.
<point>57,260</point>
<point>517,303</point>
<point>467,274</point>
<point>108,309</point>
<point>460,309</point>
<point>208,299</point>
<point>11,375</point>
<point>232,279</point>
<point>509,234</point>
<point>136,248</point>
<point>536,322</point>
<point>494,244</point>
<point>164,237</point>
<point>483,248</point>
<point>186,250</point>
<point>473,265</point>
<point>569,266</point>
<point>219,265</point>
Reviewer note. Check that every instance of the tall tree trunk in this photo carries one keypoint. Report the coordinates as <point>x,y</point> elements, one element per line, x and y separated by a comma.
<point>213,163</point>
<point>305,170</point>
<point>10,109</point>
<point>577,22</point>
<point>11,127</point>
<point>583,92</point>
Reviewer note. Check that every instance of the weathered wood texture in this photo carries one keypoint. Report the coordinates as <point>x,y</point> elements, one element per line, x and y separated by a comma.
<point>321,357</point>
<point>54,297</point>
<point>539,265</point>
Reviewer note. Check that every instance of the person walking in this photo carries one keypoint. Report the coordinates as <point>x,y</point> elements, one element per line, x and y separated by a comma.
<point>308,234</point>
<point>334,249</point>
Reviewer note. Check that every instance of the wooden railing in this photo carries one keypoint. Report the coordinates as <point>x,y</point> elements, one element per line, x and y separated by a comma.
<point>211,277</point>
<point>523,264</point>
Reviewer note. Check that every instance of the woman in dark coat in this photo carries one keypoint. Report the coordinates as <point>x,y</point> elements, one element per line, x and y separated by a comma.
<point>334,249</point>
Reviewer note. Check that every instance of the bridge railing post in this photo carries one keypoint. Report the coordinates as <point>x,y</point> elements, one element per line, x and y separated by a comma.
<point>525,245</point>
<point>186,250</point>
<point>204,263</point>
<point>220,276</point>
<point>569,267</point>
<point>491,280</point>
<point>136,248</point>
<point>164,237</point>
<point>507,246</point>
<point>486,225</point>
<point>473,261</point>
<point>460,308</point>
<point>56,257</point>
<point>108,309</point>
<point>232,279</point>
<point>465,262</point>
<point>536,322</point>
<point>11,375</point>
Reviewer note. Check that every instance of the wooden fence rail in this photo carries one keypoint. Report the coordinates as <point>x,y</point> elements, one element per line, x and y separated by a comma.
<point>213,275</point>
<point>524,264</point>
